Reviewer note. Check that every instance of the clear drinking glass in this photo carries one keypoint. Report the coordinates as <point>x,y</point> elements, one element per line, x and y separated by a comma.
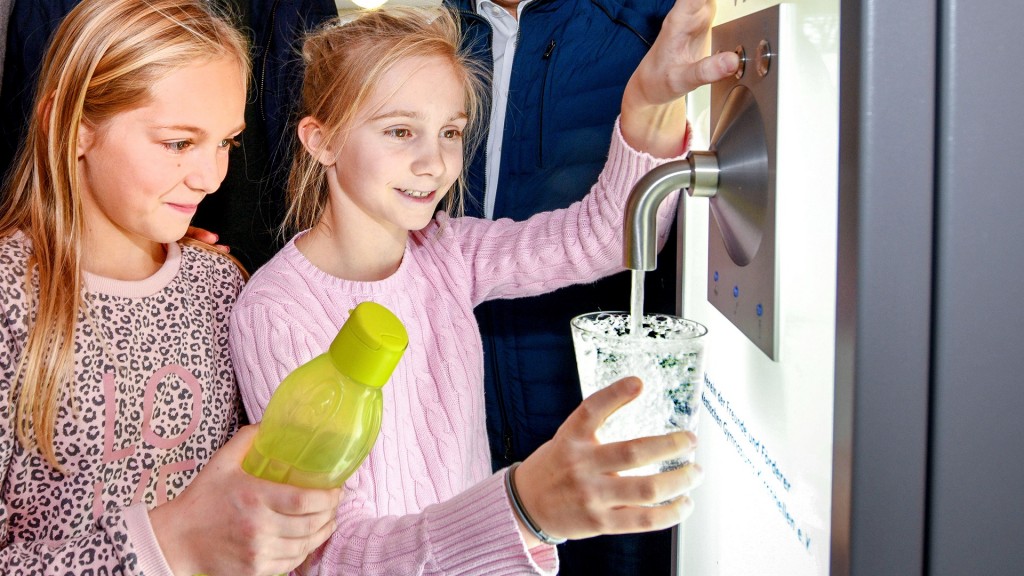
<point>667,355</point>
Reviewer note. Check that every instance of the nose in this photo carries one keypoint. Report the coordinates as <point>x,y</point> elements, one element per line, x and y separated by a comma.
<point>429,160</point>
<point>207,171</point>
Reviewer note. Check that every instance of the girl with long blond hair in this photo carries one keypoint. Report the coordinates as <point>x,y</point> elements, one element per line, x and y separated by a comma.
<point>117,394</point>
<point>389,101</point>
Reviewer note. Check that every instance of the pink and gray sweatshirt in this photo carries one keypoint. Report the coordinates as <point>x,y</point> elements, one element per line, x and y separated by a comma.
<point>153,397</point>
<point>425,500</point>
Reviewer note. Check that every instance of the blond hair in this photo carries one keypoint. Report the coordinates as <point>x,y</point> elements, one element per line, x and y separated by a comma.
<point>344,63</point>
<point>102,61</point>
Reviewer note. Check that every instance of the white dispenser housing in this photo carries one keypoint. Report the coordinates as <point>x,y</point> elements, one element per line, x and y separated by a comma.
<point>760,273</point>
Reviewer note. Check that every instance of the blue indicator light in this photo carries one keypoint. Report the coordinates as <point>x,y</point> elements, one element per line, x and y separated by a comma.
<point>716,275</point>
<point>760,310</point>
<point>735,291</point>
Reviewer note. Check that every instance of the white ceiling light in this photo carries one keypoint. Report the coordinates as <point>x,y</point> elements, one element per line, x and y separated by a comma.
<point>356,4</point>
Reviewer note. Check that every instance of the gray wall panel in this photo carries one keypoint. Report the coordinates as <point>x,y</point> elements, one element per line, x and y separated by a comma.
<point>976,521</point>
<point>887,119</point>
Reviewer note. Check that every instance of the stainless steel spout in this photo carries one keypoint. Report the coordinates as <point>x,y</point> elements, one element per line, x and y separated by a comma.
<point>698,173</point>
<point>734,175</point>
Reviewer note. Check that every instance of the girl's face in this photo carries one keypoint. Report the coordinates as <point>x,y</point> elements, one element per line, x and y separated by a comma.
<point>404,152</point>
<point>145,171</point>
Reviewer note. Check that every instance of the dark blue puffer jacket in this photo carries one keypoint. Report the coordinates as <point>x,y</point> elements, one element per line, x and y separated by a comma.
<point>572,61</point>
<point>278,27</point>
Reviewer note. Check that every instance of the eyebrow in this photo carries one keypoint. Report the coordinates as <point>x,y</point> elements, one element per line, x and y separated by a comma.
<point>411,114</point>
<point>197,130</point>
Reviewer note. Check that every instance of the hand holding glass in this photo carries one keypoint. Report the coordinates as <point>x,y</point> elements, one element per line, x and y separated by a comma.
<point>667,354</point>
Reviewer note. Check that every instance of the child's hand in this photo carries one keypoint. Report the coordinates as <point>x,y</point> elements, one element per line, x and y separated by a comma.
<point>228,522</point>
<point>653,109</point>
<point>570,486</point>
<point>206,237</point>
<point>679,60</point>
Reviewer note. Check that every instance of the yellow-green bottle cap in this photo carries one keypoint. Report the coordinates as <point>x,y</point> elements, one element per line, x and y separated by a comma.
<point>369,344</point>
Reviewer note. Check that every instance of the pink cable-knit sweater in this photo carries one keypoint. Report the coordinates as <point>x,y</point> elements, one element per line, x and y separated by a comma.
<point>425,500</point>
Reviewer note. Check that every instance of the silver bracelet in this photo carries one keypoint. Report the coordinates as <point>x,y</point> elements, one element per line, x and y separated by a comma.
<point>517,506</point>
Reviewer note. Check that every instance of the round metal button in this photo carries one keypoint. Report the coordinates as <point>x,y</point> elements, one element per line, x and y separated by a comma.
<point>764,58</point>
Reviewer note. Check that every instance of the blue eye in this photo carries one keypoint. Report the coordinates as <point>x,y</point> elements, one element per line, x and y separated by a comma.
<point>178,145</point>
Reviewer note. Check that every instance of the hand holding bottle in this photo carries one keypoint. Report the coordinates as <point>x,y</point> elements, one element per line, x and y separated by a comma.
<point>229,522</point>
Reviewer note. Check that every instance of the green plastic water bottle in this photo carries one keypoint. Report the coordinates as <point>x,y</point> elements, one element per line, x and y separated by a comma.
<point>323,419</point>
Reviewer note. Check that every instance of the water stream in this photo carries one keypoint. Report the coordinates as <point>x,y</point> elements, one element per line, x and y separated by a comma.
<point>636,305</point>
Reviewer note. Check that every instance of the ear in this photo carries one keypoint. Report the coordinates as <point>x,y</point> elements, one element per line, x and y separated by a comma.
<point>86,137</point>
<point>86,133</point>
<point>311,134</point>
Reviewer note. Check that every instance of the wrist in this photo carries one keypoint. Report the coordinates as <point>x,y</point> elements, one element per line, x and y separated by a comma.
<point>655,128</point>
<point>532,530</point>
<point>170,537</point>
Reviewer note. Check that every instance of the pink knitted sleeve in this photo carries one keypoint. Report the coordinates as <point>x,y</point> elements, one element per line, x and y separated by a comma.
<point>579,244</point>
<point>465,535</point>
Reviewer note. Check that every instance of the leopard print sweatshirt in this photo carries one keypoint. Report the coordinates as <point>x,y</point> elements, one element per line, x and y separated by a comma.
<point>153,398</point>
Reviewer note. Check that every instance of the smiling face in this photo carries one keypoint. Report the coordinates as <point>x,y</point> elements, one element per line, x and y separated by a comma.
<point>144,171</point>
<point>403,152</point>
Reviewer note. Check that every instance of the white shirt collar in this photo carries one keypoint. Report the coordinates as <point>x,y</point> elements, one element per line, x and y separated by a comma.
<point>489,10</point>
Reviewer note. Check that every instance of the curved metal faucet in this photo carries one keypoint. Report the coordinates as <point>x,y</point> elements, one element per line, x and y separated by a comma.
<point>698,173</point>
<point>734,175</point>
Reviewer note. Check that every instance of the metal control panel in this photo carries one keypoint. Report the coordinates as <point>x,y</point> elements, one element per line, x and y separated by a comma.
<point>742,268</point>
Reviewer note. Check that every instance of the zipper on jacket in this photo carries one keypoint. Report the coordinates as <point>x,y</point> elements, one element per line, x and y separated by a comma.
<point>546,57</point>
<point>263,64</point>
<point>506,443</point>
<point>549,50</point>
<point>499,392</point>
<point>507,437</point>
<point>624,24</point>
<point>467,16</point>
